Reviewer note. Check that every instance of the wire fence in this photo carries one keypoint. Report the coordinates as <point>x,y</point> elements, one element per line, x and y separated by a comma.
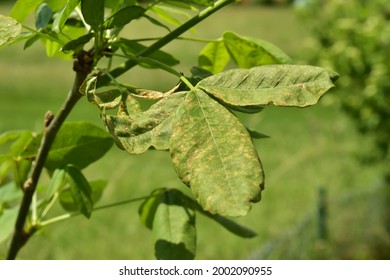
<point>350,226</point>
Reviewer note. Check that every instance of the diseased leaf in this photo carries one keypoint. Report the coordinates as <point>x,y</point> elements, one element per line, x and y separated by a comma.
<point>139,131</point>
<point>205,137</point>
<point>9,29</point>
<point>124,16</point>
<point>249,52</point>
<point>64,14</point>
<point>214,57</point>
<point>174,231</point>
<point>280,85</point>
<point>78,143</point>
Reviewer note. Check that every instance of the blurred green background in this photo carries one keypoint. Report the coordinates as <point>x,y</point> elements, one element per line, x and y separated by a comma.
<point>310,149</point>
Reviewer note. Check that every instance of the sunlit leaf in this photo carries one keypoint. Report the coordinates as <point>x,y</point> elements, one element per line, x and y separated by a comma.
<point>280,85</point>
<point>206,136</point>
<point>214,57</point>
<point>7,222</point>
<point>9,29</point>
<point>249,52</point>
<point>64,14</point>
<point>23,8</point>
<point>56,182</point>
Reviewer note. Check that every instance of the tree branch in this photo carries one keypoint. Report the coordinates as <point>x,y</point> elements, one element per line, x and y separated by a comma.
<point>82,67</point>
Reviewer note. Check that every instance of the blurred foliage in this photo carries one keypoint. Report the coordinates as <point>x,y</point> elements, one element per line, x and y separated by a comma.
<point>353,37</point>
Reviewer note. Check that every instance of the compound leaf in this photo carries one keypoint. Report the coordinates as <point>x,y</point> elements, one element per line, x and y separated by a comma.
<point>280,85</point>
<point>139,131</point>
<point>200,143</point>
<point>78,143</point>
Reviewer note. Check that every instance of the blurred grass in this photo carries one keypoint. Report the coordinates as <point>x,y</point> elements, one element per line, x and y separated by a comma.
<point>308,148</point>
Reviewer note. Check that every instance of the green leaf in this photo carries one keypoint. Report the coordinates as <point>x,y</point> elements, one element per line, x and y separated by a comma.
<point>9,29</point>
<point>214,57</point>
<point>69,204</point>
<point>174,228</point>
<point>200,143</point>
<point>78,143</point>
<point>139,131</point>
<point>78,43</point>
<point>23,8</point>
<point>256,135</point>
<point>57,182</point>
<point>80,190</point>
<point>148,208</point>
<point>249,52</point>
<point>280,85</point>
<point>10,193</point>
<point>43,17</point>
<point>93,12</point>
<point>64,14</point>
<point>7,222</point>
<point>124,16</point>
<point>132,48</point>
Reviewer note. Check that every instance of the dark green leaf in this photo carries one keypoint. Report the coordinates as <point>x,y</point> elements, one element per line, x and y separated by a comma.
<point>200,143</point>
<point>80,190</point>
<point>43,17</point>
<point>69,204</point>
<point>256,135</point>
<point>7,222</point>
<point>174,228</point>
<point>214,57</point>
<point>281,85</point>
<point>78,143</point>
<point>23,8</point>
<point>132,48</point>
<point>77,43</point>
<point>139,131</point>
<point>9,29</point>
<point>31,40</point>
<point>93,12</point>
<point>124,16</point>
<point>64,14</point>
<point>250,52</point>
<point>148,208</point>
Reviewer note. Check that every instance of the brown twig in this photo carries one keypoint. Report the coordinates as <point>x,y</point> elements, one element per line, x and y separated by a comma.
<point>82,67</point>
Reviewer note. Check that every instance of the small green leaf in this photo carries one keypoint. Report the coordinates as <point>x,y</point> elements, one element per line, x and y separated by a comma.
<point>139,131</point>
<point>214,57</point>
<point>78,143</point>
<point>200,143</point>
<point>124,16</point>
<point>23,8</point>
<point>80,190</point>
<point>256,135</point>
<point>9,29</point>
<point>93,12</point>
<point>174,228</point>
<point>280,85</point>
<point>64,14</point>
<point>43,17</point>
<point>148,208</point>
<point>132,48</point>
<point>7,222</point>
<point>249,52</point>
<point>78,43</point>
<point>57,182</point>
